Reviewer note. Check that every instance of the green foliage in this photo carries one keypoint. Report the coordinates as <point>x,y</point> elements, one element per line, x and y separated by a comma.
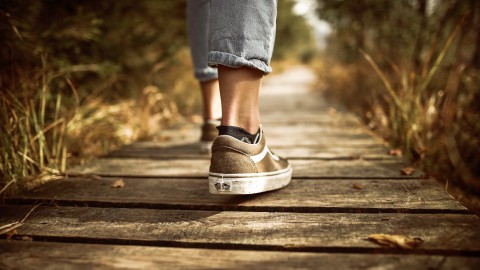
<point>414,72</point>
<point>90,41</point>
<point>67,60</point>
<point>294,39</point>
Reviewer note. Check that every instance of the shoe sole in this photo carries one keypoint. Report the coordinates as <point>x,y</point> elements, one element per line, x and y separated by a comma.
<point>248,183</point>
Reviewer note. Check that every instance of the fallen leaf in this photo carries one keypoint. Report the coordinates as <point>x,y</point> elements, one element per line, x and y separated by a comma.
<point>407,171</point>
<point>396,241</point>
<point>119,183</point>
<point>395,152</point>
<point>10,234</point>
<point>26,238</point>
<point>424,176</point>
<point>357,186</point>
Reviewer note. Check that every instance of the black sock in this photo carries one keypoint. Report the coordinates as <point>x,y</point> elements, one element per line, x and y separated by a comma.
<point>239,133</point>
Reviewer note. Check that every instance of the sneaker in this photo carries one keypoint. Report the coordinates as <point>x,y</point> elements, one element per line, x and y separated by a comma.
<point>241,168</point>
<point>209,133</point>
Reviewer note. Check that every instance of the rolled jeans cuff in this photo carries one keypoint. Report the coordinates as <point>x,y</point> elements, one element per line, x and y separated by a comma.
<point>206,74</point>
<point>230,60</point>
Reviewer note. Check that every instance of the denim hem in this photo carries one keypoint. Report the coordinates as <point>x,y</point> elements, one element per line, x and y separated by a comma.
<point>206,74</point>
<point>230,60</point>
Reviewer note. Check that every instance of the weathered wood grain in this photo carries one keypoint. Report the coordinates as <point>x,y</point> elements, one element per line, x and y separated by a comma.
<point>287,97</point>
<point>345,188</point>
<point>350,169</point>
<point>192,151</point>
<point>316,118</point>
<point>309,119</point>
<point>285,135</point>
<point>341,195</point>
<point>342,139</point>
<point>199,168</point>
<point>302,130</point>
<point>62,256</point>
<point>443,233</point>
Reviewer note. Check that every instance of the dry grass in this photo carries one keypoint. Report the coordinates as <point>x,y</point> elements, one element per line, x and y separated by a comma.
<point>417,83</point>
<point>432,116</point>
<point>43,134</point>
<point>98,127</point>
<point>35,150</point>
<point>437,130</point>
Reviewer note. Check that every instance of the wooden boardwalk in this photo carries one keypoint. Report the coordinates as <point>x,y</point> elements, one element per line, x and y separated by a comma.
<point>345,188</point>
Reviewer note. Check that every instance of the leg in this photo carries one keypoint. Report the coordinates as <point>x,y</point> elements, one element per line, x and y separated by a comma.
<point>212,107</point>
<point>240,89</point>
<point>241,39</point>
<point>198,14</point>
<point>241,42</point>
<point>242,33</point>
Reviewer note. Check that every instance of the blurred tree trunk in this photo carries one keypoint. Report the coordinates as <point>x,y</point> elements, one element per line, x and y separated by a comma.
<point>417,50</point>
<point>476,25</point>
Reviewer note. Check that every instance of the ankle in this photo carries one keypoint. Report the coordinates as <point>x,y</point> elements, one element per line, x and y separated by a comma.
<point>240,134</point>
<point>250,124</point>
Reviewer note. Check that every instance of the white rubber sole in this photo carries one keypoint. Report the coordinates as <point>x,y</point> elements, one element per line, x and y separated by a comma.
<point>248,183</point>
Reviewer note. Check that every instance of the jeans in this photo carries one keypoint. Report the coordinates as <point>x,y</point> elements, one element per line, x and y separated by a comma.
<point>233,33</point>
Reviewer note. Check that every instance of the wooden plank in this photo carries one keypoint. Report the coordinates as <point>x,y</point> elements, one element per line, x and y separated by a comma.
<point>192,151</point>
<point>279,135</point>
<point>443,233</point>
<point>342,139</point>
<point>386,169</point>
<point>291,101</point>
<point>308,134</point>
<point>300,196</point>
<point>52,256</point>
<point>309,117</point>
<point>199,168</point>
<point>311,130</point>
<point>292,130</point>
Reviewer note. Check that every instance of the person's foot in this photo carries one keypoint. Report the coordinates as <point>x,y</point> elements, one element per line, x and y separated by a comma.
<point>209,134</point>
<point>242,168</point>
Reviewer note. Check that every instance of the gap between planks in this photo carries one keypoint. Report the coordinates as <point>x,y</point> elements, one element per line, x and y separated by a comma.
<point>51,255</point>
<point>309,196</point>
<point>443,234</point>
<point>248,247</point>
<point>236,208</point>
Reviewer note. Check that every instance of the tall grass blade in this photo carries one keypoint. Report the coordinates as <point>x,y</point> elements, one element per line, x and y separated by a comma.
<point>441,55</point>
<point>7,185</point>
<point>384,79</point>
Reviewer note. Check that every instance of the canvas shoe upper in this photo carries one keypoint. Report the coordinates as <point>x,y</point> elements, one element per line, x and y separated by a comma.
<point>241,168</point>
